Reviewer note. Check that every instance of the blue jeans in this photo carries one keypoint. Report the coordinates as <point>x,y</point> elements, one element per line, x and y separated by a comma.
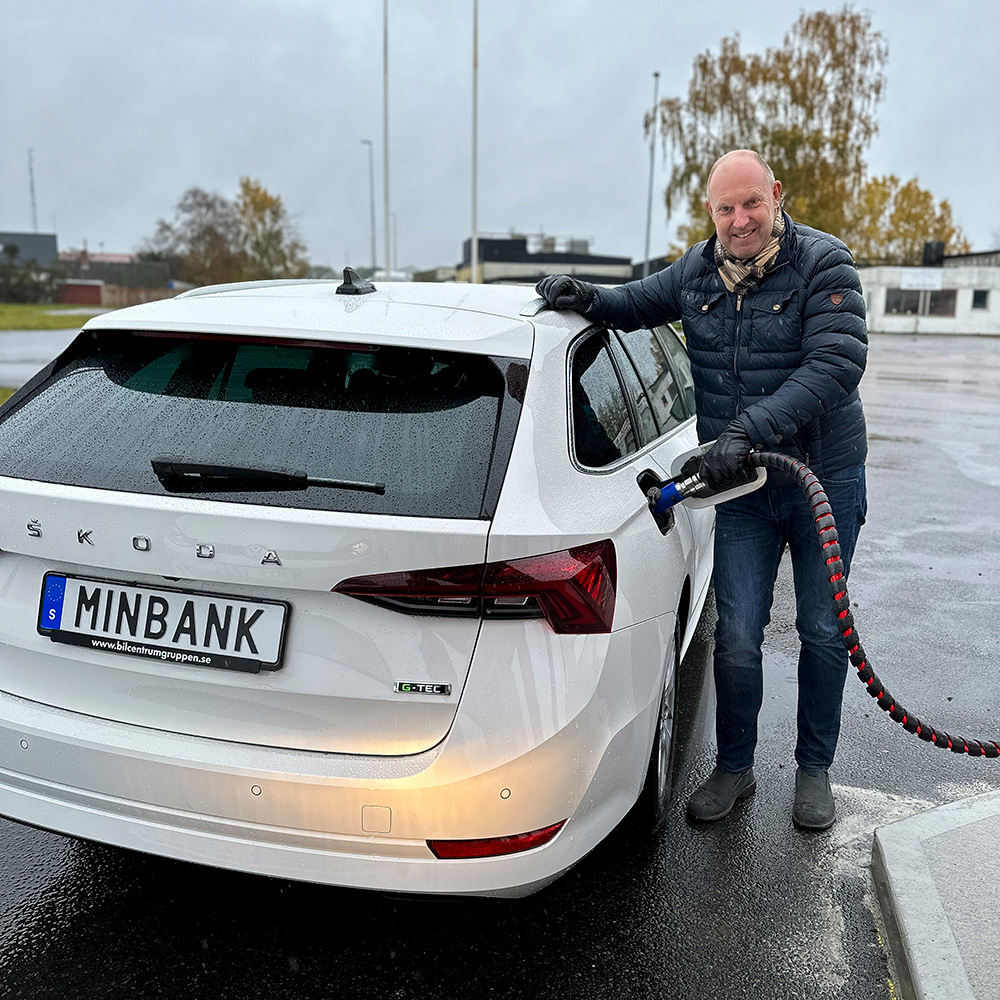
<point>750,536</point>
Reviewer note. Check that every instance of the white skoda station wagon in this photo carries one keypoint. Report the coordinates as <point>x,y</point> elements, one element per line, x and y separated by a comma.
<point>347,584</point>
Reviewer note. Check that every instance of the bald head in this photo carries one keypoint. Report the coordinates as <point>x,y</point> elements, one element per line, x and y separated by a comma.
<point>731,157</point>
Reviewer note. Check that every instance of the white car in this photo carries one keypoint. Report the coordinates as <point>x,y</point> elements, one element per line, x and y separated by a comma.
<point>349,585</point>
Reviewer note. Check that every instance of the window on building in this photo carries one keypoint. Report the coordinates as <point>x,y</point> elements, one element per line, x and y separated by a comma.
<point>909,302</point>
<point>941,303</point>
<point>901,303</point>
<point>980,298</point>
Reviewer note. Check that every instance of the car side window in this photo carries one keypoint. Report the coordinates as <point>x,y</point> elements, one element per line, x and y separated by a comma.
<point>602,429</point>
<point>648,428</point>
<point>657,376</point>
<point>681,364</point>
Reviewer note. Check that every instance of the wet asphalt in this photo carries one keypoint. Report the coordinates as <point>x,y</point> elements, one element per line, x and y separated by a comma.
<point>748,907</point>
<point>24,352</point>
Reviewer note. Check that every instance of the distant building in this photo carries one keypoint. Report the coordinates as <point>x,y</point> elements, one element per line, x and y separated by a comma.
<point>655,264</point>
<point>436,274</point>
<point>113,279</point>
<point>956,297</point>
<point>97,258</point>
<point>523,259</point>
<point>981,258</point>
<point>39,247</point>
<point>370,273</point>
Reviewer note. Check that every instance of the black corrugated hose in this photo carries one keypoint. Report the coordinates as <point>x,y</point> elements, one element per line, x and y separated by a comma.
<point>826,526</point>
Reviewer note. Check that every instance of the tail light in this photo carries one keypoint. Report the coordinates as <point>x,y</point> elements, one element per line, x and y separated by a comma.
<point>573,589</point>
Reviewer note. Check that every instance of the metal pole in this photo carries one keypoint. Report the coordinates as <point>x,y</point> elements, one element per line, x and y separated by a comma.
<point>385,128</point>
<point>371,194</point>
<point>31,179</point>
<point>474,254</point>
<point>652,151</point>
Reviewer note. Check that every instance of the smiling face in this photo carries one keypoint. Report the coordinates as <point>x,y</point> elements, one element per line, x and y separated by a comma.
<point>743,201</point>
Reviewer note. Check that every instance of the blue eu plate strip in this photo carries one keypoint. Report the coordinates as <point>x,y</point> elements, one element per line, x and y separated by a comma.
<point>52,602</point>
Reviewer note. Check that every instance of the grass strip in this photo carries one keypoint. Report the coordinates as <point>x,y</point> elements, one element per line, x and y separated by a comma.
<point>41,316</point>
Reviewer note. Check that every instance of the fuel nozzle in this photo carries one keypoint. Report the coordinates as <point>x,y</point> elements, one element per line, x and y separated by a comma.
<point>673,492</point>
<point>686,484</point>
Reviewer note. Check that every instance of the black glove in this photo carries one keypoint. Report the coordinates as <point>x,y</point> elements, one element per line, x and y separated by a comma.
<point>565,293</point>
<point>725,463</point>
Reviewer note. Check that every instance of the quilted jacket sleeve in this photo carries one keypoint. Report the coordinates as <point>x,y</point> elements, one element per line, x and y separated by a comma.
<point>639,304</point>
<point>834,348</point>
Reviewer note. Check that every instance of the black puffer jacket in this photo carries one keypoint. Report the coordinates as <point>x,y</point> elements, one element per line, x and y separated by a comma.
<point>785,358</point>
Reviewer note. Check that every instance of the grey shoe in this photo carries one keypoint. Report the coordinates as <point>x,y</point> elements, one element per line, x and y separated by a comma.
<point>717,796</point>
<point>814,808</point>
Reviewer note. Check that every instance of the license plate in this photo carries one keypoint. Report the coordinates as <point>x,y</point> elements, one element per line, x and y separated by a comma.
<point>176,626</point>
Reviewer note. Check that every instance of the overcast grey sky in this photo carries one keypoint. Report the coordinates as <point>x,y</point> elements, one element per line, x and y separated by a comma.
<point>127,104</point>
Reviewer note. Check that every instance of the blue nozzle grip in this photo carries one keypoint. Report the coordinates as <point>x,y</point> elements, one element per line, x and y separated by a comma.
<point>661,500</point>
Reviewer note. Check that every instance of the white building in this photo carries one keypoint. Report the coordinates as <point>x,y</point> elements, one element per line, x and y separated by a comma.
<point>957,298</point>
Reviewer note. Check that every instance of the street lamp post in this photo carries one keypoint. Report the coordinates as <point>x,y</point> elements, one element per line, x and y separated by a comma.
<point>474,245</point>
<point>371,194</point>
<point>652,151</point>
<point>385,127</point>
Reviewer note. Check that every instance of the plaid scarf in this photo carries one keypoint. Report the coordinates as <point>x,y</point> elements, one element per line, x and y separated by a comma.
<point>742,276</point>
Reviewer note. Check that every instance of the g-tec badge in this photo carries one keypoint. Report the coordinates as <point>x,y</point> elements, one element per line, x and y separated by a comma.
<point>421,687</point>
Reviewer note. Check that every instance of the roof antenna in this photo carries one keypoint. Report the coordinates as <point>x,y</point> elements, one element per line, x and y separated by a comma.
<point>354,284</point>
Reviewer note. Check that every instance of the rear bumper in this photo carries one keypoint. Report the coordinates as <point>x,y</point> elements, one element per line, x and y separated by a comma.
<point>330,818</point>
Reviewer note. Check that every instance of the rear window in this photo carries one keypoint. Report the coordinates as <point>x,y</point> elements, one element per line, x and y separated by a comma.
<point>398,430</point>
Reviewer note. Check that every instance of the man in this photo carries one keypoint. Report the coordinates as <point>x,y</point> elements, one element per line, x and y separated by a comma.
<point>775,326</point>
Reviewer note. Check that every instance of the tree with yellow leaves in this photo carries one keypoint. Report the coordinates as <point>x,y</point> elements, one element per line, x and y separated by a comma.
<point>212,239</point>
<point>808,107</point>
<point>891,221</point>
<point>270,247</point>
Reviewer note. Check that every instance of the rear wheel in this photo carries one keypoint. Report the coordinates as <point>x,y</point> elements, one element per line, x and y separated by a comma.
<point>651,807</point>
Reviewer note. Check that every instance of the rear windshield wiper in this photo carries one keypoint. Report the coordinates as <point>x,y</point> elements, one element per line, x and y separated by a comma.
<point>181,476</point>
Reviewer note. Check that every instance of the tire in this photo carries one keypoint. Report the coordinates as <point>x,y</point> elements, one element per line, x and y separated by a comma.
<point>651,808</point>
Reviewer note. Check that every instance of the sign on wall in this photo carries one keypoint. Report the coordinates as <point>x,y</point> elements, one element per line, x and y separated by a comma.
<point>921,279</point>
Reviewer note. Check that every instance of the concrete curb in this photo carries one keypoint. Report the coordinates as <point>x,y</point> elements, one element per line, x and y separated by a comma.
<point>937,879</point>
